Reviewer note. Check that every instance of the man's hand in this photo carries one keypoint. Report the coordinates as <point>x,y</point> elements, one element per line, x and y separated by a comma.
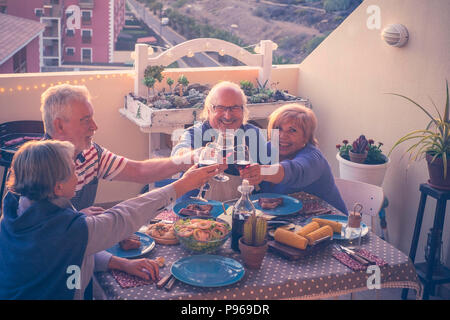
<point>92,211</point>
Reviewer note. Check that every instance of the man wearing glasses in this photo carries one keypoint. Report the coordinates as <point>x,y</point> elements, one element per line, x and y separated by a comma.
<point>224,110</point>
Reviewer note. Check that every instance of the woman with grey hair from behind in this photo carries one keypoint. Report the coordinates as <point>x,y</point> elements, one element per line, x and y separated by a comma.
<point>46,247</point>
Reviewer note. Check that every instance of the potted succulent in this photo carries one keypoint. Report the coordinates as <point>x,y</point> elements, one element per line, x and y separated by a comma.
<point>253,243</point>
<point>363,160</point>
<point>432,143</point>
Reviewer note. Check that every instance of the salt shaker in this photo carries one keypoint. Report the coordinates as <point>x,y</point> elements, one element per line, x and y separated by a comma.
<point>353,229</point>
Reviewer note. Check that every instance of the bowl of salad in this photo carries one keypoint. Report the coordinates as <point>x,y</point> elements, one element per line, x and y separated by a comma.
<point>202,235</point>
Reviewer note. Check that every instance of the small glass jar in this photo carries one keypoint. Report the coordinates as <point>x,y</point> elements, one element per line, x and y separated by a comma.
<point>353,229</point>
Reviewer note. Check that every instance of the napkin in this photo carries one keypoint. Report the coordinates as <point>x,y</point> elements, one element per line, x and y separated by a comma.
<point>126,280</point>
<point>345,259</point>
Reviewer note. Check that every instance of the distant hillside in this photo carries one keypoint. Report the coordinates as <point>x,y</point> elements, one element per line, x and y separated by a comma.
<point>297,26</point>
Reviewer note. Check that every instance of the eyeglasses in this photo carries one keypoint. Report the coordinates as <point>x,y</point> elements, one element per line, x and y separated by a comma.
<point>224,109</point>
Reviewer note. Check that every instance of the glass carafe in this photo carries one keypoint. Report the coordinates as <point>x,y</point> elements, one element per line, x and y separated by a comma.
<point>242,209</point>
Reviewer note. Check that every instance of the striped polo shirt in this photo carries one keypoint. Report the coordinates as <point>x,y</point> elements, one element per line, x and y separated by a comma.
<point>91,165</point>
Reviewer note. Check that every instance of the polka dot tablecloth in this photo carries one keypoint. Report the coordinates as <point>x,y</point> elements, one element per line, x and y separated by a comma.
<point>318,275</point>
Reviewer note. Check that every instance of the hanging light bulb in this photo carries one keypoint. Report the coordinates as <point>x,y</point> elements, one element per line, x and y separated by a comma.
<point>190,54</point>
<point>274,46</point>
<point>257,49</point>
<point>150,50</point>
<point>222,52</point>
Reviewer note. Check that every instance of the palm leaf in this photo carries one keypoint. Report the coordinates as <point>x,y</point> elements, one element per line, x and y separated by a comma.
<point>422,108</point>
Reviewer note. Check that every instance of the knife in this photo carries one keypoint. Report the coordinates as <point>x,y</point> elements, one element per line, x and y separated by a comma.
<point>356,256</point>
<point>170,284</point>
<point>161,283</point>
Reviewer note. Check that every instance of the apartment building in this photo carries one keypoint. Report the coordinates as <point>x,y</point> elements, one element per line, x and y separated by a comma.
<point>76,31</point>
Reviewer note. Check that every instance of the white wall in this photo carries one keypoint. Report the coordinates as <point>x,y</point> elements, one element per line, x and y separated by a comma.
<point>346,79</point>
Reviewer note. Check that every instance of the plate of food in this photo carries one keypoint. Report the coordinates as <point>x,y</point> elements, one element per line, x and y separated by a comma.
<point>134,246</point>
<point>197,208</point>
<point>207,270</point>
<point>338,223</point>
<point>162,233</point>
<point>276,204</point>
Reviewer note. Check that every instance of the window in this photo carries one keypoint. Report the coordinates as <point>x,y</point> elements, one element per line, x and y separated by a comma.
<point>70,51</point>
<point>20,61</point>
<point>86,55</point>
<point>86,16</point>
<point>86,35</point>
<point>70,32</point>
<point>39,12</point>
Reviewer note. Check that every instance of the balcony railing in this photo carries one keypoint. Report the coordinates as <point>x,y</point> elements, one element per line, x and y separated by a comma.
<point>53,10</point>
<point>86,4</point>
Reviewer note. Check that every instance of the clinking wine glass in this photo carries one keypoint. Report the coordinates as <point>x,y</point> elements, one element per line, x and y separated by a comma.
<point>225,145</point>
<point>208,156</point>
<point>241,156</point>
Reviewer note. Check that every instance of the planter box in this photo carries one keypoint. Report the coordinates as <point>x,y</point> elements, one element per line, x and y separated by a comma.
<point>368,173</point>
<point>166,120</point>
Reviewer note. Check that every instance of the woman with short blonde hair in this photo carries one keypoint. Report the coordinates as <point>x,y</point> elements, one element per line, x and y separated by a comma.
<point>301,167</point>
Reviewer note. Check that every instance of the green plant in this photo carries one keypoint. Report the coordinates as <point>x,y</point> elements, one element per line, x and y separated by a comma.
<point>374,153</point>
<point>149,82</point>
<point>255,231</point>
<point>170,83</point>
<point>247,87</point>
<point>183,81</point>
<point>434,139</point>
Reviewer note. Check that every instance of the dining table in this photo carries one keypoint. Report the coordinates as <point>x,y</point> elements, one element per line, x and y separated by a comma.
<point>318,275</point>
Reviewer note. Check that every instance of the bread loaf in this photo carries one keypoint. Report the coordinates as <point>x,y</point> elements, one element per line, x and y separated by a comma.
<point>290,238</point>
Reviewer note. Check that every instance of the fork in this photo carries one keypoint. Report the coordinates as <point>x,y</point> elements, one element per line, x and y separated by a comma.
<point>354,256</point>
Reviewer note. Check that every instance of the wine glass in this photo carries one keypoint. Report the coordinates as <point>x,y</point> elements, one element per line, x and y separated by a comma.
<point>242,157</point>
<point>208,156</point>
<point>225,145</point>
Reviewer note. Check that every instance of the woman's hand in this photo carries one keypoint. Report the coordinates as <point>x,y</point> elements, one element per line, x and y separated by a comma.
<point>143,268</point>
<point>252,173</point>
<point>195,177</point>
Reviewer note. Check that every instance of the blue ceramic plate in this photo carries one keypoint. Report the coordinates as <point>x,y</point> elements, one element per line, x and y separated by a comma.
<point>207,270</point>
<point>147,245</point>
<point>290,205</point>
<point>343,220</point>
<point>216,211</point>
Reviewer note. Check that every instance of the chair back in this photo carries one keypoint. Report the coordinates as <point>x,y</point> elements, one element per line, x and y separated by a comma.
<point>368,195</point>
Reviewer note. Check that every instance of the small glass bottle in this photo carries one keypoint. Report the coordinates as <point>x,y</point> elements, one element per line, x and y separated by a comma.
<point>353,229</point>
<point>242,209</point>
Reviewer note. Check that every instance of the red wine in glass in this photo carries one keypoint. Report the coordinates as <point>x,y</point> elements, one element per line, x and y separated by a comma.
<point>242,164</point>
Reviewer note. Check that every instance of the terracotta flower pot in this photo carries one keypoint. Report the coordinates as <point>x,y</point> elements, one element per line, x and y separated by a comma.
<point>357,157</point>
<point>436,173</point>
<point>252,256</point>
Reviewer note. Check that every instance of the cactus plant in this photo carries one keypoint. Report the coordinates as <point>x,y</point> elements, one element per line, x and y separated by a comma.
<point>255,231</point>
<point>360,145</point>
